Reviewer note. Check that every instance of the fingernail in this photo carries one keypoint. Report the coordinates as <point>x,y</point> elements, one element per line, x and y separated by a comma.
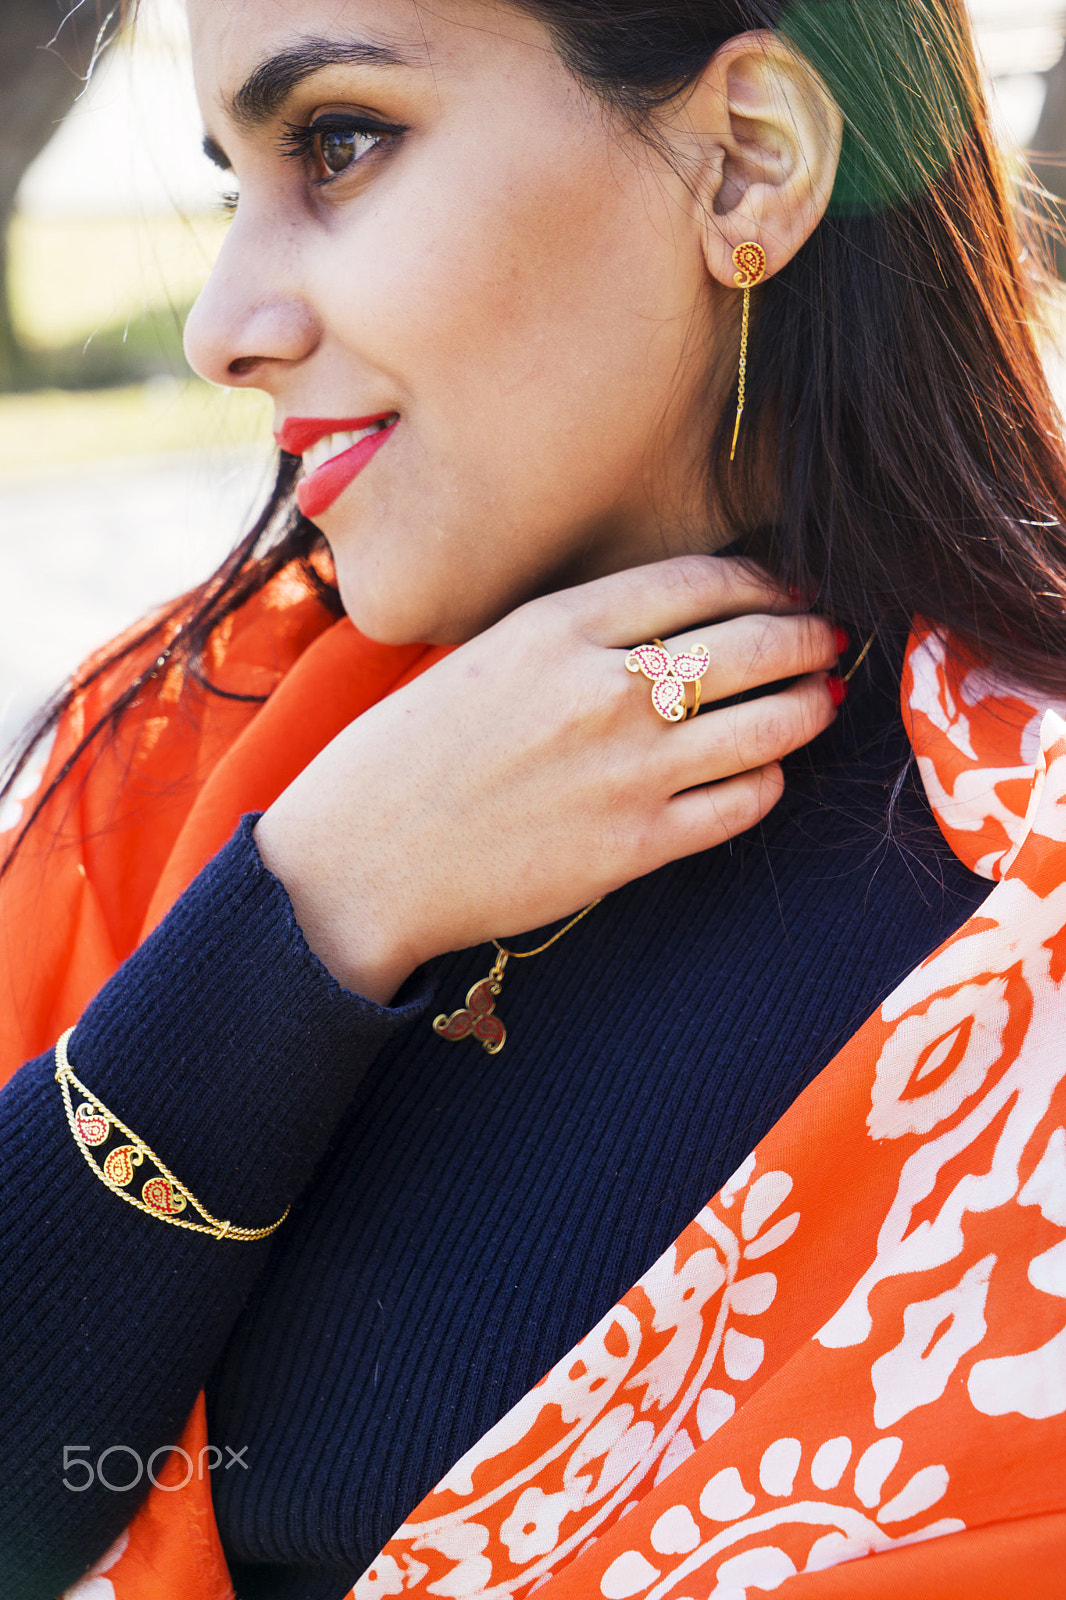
<point>794,594</point>
<point>842,639</point>
<point>837,688</point>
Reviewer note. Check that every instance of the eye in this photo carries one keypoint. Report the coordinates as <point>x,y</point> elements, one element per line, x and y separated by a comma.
<point>339,147</point>
<point>332,144</point>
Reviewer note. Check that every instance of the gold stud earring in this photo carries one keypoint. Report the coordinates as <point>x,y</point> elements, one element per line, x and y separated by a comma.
<point>750,262</point>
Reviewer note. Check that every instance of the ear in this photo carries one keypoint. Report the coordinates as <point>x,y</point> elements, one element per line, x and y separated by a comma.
<point>767,138</point>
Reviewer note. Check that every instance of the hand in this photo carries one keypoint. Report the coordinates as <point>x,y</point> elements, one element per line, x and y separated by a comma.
<point>527,773</point>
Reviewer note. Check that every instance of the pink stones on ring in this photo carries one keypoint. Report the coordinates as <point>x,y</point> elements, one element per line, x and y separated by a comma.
<point>668,698</point>
<point>654,660</point>
<point>669,675</point>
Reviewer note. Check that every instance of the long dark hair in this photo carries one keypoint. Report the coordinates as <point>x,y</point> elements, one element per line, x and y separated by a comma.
<point>895,387</point>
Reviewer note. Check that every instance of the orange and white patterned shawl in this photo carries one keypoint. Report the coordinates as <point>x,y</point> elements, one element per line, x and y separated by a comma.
<point>847,1377</point>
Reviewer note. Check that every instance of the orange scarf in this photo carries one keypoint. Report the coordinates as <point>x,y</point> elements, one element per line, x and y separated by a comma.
<point>847,1377</point>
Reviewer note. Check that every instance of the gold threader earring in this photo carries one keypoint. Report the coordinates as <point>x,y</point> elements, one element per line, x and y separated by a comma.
<point>750,262</point>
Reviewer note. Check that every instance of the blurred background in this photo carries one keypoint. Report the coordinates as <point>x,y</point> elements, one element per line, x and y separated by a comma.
<point>124,479</point>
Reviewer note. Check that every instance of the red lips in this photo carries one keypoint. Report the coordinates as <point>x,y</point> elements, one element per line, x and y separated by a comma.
<point>298,434</point>
<point>316,492</point>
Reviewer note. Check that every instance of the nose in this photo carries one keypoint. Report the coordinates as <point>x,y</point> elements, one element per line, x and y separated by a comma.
<point>250,322</point>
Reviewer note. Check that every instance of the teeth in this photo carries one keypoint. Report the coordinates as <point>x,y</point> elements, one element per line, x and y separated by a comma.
<point>335,444</point>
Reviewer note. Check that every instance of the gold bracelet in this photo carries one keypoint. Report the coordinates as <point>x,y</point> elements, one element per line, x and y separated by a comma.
<point>162,1195</point>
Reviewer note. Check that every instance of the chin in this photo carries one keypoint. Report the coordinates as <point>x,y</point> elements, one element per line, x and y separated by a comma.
<point>388,619</point>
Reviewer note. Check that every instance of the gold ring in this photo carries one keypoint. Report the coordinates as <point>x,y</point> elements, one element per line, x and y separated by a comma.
<point>669,675</point>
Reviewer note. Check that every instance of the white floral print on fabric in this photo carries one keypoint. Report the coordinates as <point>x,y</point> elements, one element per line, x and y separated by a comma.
<point>727,1499</point>
<point>1034,1381</point>
<point>983,1065</point>
<point>974,793</point>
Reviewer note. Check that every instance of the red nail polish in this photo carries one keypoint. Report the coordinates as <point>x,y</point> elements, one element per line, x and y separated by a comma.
<point>842,639</point>
<point>838,689</point>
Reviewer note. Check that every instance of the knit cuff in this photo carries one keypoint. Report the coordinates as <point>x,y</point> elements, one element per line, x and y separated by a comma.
<point>226,1045</point>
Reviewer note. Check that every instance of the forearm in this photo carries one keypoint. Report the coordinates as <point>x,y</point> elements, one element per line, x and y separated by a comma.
<point>226,1046</point>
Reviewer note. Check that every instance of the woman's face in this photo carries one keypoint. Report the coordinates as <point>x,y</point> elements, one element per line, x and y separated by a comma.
<point>441,237</point>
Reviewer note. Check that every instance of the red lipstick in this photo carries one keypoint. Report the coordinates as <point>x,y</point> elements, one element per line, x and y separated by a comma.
<point>317,491</point>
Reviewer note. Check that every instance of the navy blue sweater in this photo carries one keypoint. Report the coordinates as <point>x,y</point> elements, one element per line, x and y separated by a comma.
<point>458,1221</point>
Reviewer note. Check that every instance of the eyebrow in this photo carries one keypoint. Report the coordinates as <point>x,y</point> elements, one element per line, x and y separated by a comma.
<point>265,90</point>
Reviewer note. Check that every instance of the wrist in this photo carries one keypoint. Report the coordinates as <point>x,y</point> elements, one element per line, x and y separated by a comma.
<point>347,925</point>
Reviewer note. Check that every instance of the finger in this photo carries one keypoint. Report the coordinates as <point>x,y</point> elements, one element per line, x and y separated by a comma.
<point>627,608</point>
<point>707,816</point>
<point>747,652</point>
<point>747,737</point>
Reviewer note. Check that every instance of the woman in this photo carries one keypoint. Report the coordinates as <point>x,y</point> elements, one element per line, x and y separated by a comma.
<point>494,265</point>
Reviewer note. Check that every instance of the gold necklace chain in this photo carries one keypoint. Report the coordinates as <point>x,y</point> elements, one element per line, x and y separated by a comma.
<point>523,955</point>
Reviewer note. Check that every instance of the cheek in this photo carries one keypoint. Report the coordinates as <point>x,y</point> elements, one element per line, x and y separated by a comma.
<point>508,296</point>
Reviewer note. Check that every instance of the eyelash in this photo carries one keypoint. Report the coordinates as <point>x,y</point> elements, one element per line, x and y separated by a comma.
<point>300,142</point>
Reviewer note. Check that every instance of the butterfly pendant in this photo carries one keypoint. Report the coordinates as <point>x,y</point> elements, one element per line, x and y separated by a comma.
<point>669,675</point>
<point>476,1019</point>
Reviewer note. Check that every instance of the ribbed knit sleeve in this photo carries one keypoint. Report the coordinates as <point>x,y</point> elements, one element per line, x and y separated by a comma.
<point>230,1050</point>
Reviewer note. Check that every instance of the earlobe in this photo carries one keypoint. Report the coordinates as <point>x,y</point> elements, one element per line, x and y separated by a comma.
<point>772,134</point>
